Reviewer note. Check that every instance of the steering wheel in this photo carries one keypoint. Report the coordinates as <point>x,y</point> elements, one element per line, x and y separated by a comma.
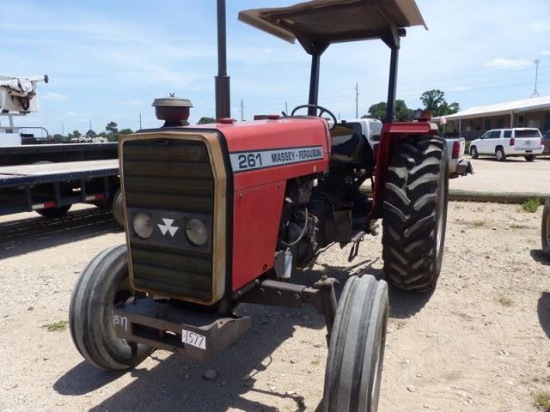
<point>321,110</point>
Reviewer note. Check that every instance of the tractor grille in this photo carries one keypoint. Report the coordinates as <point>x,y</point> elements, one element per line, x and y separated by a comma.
<point>169,178</point>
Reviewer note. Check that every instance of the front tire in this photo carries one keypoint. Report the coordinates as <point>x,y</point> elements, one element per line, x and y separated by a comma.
<point>102,284</point>
<point>473,152</point>
<point>415,214</point>
<point>545,228</point>
<point>117,207</point>
<point>356,350</point>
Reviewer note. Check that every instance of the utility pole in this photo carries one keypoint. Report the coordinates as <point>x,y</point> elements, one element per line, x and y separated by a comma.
<point>356,100</point>
<point>535,92</point>
<point>242,110</point>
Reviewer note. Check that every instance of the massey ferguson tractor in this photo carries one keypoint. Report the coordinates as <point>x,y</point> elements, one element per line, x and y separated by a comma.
<point>223,214</point>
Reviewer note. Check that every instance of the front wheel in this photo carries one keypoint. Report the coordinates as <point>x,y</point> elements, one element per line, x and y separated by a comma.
<point>356,350</point>
<point>473,152</point>
<point>545,228</point>
<point>117,206</point>
<point>415,213</point>
<point>104,283</point>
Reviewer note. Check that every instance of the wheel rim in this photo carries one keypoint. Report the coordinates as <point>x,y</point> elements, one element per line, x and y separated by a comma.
<point>499,155</point>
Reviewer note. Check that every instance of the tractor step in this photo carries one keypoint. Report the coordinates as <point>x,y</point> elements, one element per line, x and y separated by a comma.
<point>195,334</point>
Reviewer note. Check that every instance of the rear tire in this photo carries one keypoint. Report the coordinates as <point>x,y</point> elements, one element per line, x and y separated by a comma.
<point>415,214</point>
<point>500,155</point>
<point>530,158</point>
<point>474,153</point>
<point>545,228</point>
<point>356,350</point>
<point>103,283</point>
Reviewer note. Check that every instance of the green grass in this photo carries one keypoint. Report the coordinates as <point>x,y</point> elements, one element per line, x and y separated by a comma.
<point>542,400</point>
<point>516,226</point>
<point>58,326</point>
<point>478,223</point>
<point>531,205</point>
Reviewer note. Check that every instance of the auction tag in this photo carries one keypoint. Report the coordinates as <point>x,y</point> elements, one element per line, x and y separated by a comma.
<point>193,338</point>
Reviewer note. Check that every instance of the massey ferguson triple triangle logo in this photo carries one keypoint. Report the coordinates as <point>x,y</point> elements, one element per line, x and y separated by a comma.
<point>167,227</point>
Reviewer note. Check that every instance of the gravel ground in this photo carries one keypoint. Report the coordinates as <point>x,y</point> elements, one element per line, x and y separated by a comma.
<point>479,343</point>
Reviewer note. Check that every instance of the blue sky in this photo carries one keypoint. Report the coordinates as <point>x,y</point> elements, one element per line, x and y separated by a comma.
<point>108,60</point>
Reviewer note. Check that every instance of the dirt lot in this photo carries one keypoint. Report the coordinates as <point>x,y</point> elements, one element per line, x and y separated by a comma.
<point>479,343</point>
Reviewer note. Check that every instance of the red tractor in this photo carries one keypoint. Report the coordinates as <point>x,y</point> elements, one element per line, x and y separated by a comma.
<point>222,214</point>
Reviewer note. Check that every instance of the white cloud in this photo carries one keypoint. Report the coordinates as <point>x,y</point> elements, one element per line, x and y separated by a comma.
<point>545,52</point>
<point>501,63</point>
<point>55,96</point>
<point>459,88</point>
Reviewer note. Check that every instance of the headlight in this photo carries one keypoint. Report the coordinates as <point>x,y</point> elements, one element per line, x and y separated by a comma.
<point>142,225</point>
<point>196,232</point>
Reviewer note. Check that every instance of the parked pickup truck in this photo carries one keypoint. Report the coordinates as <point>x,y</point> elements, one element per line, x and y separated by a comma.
<point>370,129</point>
<point>458,165</point>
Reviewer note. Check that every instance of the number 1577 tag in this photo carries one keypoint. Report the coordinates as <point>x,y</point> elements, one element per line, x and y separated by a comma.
<point>193,338</point>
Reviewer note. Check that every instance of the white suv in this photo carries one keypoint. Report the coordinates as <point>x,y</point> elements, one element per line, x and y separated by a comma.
<point>519,141</point>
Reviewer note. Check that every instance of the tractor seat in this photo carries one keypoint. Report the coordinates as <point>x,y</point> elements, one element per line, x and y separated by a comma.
<point>347,146</point>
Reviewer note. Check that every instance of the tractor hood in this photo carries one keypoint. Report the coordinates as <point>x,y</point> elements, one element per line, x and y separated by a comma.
<point>332,21</point>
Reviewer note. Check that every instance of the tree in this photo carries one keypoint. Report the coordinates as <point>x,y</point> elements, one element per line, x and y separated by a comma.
<point>75,134</point>
<point>91,134</point>
<point>401,114</point>
<point>126,131</point>
<point>206,120</point>
<point>378,111</point>
<point>60,138</point>
<point>112,128</point>
<point>434,101</point>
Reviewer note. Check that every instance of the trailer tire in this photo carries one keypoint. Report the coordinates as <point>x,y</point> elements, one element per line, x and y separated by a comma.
<point>102,284</point>
<point>53,212</point>
<point>356,350</point>
<point>545,228</point>
<point>415,214</point>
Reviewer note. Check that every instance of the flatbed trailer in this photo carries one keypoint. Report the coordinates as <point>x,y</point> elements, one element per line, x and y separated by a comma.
<point>51,188</point>
<point>59,152</point>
